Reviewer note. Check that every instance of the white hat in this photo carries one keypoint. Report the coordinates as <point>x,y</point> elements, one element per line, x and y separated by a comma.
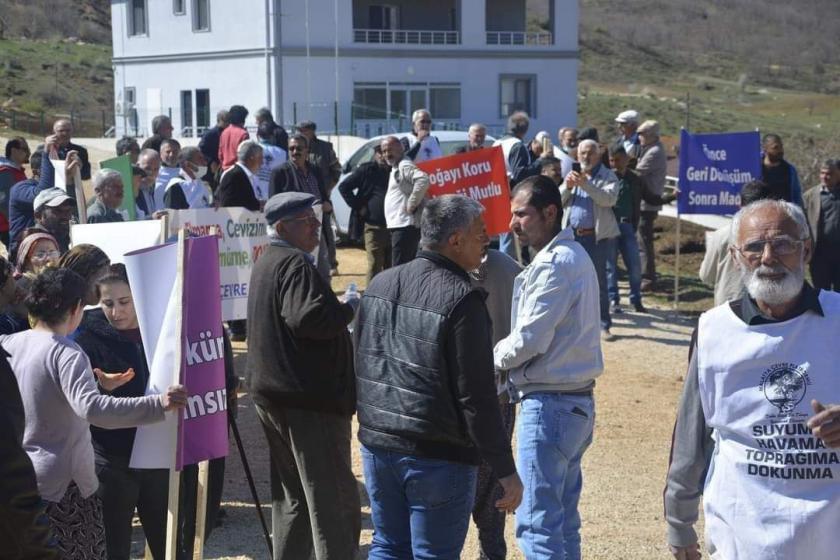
<point>627,117</point>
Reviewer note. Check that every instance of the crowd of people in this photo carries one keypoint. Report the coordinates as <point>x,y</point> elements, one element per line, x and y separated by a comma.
<point>450,342</point>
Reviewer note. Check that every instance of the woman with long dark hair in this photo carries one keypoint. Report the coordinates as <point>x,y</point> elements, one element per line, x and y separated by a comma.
<point>110,336</point>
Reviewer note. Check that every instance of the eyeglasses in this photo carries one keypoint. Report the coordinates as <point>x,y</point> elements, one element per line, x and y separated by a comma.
<point>781,246</point>
<point>41,255</point>
<point>425,121</point>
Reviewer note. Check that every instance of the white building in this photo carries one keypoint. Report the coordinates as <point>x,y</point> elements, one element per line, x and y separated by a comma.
<point>359,65</point>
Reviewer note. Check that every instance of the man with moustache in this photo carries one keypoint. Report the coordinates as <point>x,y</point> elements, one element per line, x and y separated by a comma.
<point>752,436</point>
<point>428,408</point>
<point>475,139</point>
<point>550,361</point>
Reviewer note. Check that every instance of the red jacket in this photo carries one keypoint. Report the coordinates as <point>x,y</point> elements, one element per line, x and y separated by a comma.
<point>232,136</point>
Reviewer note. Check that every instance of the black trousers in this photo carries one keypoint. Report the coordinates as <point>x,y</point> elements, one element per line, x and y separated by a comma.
<point>123,489</point>
<point>404,243</point>
<point>825,269</point>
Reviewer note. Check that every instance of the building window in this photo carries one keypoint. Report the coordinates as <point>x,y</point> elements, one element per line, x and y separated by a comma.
<point>517,93</point>
<point>445,102</point>
<point>179,7</point>
<point>202,110</point>
<point>201,15</point>
<point>396,101</point>
<point>383,17</point>
<point>186,113</point>
<point>370,102</point>
<point>130,111</point>
<point>136,17</point>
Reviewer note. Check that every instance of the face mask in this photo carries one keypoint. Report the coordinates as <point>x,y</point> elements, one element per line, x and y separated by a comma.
<point>201,171</point>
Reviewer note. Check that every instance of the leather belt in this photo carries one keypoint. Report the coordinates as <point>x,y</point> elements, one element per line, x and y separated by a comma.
<point>581,232</point>
<point>625,220</point>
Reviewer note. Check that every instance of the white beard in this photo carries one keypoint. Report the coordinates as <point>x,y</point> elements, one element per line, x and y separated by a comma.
<point>773,292</point>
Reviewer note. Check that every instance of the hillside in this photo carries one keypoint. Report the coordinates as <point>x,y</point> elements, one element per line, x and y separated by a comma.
<point>746,64</point>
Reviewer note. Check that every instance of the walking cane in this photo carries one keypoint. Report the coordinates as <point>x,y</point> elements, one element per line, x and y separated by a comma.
<point>232,422</point>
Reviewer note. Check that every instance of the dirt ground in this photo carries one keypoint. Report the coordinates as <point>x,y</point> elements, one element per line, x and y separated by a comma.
<point>624,470</point>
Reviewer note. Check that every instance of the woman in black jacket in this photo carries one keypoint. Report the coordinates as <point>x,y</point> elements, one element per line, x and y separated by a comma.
<point>110,336</point>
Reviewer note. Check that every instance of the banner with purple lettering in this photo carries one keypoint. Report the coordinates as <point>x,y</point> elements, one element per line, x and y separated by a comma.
<point>179,314</point>
<point>713,168</point>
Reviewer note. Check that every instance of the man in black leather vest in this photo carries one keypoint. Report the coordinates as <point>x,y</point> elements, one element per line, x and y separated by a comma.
<point>426,399</point>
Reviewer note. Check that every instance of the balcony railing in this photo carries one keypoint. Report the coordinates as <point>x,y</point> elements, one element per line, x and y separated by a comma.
<point>523,38</point>
<point>406,37</point>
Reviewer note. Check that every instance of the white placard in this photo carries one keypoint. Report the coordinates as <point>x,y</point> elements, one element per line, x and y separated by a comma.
<point>118,238</point>
<point>152,274</point>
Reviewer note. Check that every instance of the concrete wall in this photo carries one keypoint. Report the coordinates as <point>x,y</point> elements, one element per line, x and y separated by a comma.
<point>233,25</point>
<point>172,77</point>
<point>556,87</point>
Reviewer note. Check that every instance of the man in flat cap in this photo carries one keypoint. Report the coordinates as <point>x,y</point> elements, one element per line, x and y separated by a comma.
<point>300,372</point>
<point>628,138</point>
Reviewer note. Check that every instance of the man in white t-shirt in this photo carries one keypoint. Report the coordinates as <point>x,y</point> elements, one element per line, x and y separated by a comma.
<point>420,145</point>
<point>752,436</point>
<point>407,187</point>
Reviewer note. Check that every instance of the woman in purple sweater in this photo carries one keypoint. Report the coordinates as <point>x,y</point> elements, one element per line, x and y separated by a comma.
<point>61,400</point>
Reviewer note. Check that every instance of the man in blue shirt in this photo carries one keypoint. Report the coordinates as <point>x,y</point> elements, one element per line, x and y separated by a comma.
<point>590,195</point>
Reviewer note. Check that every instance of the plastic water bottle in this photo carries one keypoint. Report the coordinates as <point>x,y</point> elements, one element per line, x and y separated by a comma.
<point>351,293</point>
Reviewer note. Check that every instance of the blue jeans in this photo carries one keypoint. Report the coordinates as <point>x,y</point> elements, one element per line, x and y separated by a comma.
<point>420,507</point>
<point>628,245</point>
<point>599,252</point>
<point>554,431</point>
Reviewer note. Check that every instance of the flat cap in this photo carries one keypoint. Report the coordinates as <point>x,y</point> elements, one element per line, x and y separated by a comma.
<point>627,117</point>
<point>283,205</point>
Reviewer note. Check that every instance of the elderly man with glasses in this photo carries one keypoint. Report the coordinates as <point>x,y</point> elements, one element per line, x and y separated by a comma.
<point>752,436</point>
<point>300,373</point>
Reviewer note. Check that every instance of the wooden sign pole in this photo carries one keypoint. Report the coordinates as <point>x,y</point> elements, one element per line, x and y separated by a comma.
<point>201,510</point>
<point>174,474</point>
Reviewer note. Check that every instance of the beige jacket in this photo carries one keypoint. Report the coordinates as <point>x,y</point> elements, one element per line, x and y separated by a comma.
<point>811,202</point>
<point>653,168</point>
<point>718,269</point>
<point>603,189</point>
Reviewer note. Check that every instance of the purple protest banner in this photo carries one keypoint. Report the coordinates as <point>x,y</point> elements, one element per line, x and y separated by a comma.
<point>179,311</point>
<point>205,434</point>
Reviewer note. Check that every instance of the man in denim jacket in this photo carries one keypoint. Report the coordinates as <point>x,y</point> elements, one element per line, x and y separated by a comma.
<point>551,358</point>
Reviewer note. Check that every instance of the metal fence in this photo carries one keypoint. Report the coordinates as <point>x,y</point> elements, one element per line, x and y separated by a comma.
<point>85,123</point>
